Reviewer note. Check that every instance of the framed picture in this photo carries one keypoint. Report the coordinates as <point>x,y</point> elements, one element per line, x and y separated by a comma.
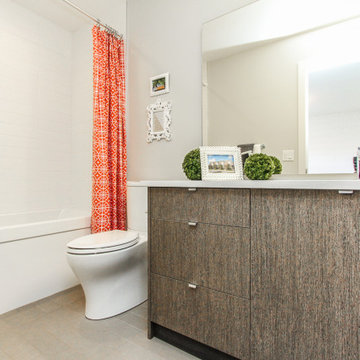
<point>159,84</point>
<point>221,163</point>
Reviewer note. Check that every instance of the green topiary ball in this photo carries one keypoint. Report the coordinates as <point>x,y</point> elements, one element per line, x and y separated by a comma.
<point>277,163</point>
<point>192,165</point>
<point>259,167</point>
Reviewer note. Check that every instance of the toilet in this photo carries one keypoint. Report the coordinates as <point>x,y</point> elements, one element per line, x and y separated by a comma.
<point>112,270</point>
<point>112,266</point>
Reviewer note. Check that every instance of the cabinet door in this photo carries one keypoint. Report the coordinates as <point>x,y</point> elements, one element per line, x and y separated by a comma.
<point>217,257</point>
<point>173,305</point>
<point>223,261</point>
<point>212,206</point>
<point>173,249</point>
<point>305,275</point>
<point>213,318</point>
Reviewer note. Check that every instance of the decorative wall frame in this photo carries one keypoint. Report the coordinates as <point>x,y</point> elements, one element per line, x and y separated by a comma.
<point>159,120</point>
<point>159,84</point>
<point>221,163</point>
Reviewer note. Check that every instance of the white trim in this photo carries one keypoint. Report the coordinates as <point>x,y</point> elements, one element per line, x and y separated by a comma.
<point>234,151</point>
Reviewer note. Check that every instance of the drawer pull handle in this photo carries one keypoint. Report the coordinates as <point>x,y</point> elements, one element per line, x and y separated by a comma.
<point>346,192</point>
<point>192,286</point>
<point>192,223</point>
<point>192,189</point>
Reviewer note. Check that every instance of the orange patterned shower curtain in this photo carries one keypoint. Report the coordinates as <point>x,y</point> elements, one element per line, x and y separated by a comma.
<point>109,133</point>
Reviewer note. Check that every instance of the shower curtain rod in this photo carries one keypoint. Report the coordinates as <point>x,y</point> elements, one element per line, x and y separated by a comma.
<point>107,27</point>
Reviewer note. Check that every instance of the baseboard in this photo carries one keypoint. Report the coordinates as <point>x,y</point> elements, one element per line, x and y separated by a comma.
<point>191,346</point>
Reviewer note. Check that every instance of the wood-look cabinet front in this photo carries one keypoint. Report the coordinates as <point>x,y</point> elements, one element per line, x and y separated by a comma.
<point>305,275</point>
<point>212,206</point>
<point>201,237</point>
<point>276,274</point>
<point>211,317</point>
<point>217,257</point>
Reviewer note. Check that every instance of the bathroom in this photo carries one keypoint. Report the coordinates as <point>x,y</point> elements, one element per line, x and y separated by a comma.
<point>46,107</point>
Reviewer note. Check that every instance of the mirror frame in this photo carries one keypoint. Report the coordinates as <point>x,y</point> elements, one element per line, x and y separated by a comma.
<point>158,107</point>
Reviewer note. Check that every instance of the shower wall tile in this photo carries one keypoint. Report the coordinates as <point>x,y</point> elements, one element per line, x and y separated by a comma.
<point>82,118</point>
<point>35,112</point>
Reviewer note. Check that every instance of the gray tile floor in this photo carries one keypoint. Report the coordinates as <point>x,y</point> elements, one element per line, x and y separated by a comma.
<point>55,328</point>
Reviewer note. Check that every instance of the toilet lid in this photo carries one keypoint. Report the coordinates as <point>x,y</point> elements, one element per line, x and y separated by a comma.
<point>104,242</point>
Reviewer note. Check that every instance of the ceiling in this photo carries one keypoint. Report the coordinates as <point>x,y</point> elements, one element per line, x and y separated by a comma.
<point>56,11</point>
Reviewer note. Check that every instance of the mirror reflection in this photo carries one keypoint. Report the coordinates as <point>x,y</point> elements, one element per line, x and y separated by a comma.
<point>333,119</point>
<point>298,95</point>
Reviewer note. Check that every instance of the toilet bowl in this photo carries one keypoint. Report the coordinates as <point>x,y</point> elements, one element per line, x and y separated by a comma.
<point>112,270</point>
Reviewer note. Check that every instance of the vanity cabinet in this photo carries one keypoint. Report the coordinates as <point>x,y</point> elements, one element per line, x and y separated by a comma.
<point>257,274</point>
<point>200,265</point>
<point>305,275</point>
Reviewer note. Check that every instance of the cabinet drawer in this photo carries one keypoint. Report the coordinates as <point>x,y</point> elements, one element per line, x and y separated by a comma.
<point>213,318</point>
<point>214,256</point>
<point>213,206</point>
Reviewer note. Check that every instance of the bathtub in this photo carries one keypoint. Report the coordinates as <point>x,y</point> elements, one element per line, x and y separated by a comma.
<point>33,254</point>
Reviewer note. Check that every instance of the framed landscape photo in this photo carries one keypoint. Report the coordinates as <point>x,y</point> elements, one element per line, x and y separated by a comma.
<point>221,163</point>
<point>159,84</point>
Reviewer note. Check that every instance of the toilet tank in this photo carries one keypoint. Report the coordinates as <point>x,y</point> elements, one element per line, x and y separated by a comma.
<point>137,206</point>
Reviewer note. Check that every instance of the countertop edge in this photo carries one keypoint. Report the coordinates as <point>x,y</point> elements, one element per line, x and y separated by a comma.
<point>353,185</point>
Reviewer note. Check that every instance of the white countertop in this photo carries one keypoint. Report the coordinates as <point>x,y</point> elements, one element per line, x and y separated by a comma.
<point>316,184</point>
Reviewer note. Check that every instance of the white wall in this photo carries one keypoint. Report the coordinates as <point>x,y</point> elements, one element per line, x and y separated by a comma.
<point>35,111</point>
<point>165,35</point>
<point>110,12</point>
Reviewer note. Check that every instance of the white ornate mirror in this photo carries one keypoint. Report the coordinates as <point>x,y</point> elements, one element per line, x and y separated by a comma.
<point>159,120</point>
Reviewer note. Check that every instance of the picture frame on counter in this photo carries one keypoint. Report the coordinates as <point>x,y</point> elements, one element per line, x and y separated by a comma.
<point>221,163</point>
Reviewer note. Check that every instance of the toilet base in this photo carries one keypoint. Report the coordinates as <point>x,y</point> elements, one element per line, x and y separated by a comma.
<point>96,316</point>
<point>100,308</point>
<point>109,317</point>
<point>113,282</point>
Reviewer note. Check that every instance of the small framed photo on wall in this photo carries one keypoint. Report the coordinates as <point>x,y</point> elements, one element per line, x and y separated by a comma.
<point>159,84</point>
<point>221,163</point>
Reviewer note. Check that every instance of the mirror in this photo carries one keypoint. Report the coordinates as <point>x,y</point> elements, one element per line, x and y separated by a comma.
<point>291,83</point>
<point>159,120</point>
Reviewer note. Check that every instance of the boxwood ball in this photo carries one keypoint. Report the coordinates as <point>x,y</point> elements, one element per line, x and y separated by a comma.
<point>259,167</point>
<point>277,163</point>
<point>192,165</point>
